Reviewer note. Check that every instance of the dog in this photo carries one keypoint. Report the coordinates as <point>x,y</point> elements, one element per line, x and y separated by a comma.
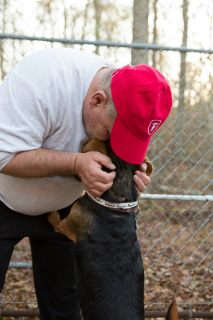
<point>109,263</point>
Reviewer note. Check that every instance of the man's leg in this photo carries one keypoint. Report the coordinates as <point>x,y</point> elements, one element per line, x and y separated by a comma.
<point>9,237</point>
<point>55,276</point>
<point>6,250</point>
<point>53,262</point>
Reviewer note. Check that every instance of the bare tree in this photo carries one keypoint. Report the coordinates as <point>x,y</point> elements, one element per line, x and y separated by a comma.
<point>182,78</point>
<point>65,16</point>
<point>182,83</point>
<point>85,17</point>
<point>2,54</point>
<point>155,33</point>
<point>140,30</point>
<point>97,8</point>
<point>46,17</point>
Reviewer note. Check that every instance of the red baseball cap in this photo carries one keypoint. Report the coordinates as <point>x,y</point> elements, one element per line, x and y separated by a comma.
<point>143,100</point>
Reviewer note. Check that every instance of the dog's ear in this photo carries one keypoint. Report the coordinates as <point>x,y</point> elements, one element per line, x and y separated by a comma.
<point>149,168</point>
<point>95,145</point>
<point>172,313</point>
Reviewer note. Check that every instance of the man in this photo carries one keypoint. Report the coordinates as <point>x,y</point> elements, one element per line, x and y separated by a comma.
<point>50,104</point>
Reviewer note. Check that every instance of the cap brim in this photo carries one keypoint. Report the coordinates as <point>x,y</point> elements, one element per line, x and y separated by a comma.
<point>127,146</point>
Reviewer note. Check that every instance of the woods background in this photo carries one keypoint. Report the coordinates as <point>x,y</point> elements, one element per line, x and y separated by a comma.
<point>177,37</point>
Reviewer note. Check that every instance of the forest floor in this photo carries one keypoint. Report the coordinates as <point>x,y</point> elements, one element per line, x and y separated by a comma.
<point>177,262</point>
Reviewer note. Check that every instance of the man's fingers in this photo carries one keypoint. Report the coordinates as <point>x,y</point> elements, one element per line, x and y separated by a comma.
<point>106,162</point>
<point>143,177</point>
<point>141,180</point>
<point>141,187</point>
<point>99,189</point>
<point>143,167</point>
<point>106,177</point>
<point>89,168</point>
<point>146,167</point>
<point>103,184</point>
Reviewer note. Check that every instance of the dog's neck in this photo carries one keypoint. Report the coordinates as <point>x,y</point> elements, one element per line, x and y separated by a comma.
<point>123,188</point>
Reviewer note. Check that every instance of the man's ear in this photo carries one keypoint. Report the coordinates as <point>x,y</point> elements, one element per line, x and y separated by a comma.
<point>98,99</point>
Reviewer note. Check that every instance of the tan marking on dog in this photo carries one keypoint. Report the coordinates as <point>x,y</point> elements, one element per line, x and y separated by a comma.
<point>95,145</point>
<point>61,225</point>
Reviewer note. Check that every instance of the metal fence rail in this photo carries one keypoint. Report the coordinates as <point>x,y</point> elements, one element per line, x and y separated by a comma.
<point>133,45</point>
<point>176,219</point>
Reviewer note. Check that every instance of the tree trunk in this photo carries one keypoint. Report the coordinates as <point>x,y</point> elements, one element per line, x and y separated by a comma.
<point>140,30</point>
<point>85,19</point>
<point>155,33</point>
<point>182,80</point>
<point>97,8</point>
<point>4,12</point>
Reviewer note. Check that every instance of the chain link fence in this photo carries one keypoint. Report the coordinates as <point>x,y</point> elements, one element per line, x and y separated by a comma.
<point>176,226</point>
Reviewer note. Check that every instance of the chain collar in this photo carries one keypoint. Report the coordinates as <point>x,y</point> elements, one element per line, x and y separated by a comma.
<point>124,207</point>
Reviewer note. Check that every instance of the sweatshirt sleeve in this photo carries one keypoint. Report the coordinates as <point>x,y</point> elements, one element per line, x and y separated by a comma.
<point>22,118</point>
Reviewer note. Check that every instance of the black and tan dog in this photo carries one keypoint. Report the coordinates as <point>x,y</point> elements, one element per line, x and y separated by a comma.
<point>110,268</point>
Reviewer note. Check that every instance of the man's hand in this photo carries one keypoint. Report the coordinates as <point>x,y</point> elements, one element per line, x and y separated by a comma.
<point>141,178</point>
<point>88,166</point>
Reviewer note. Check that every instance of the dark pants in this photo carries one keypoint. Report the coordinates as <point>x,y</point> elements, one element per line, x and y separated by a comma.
<point>53,257</point>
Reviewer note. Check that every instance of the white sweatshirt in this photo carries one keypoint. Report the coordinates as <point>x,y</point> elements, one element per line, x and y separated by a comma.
<point>41,102</point>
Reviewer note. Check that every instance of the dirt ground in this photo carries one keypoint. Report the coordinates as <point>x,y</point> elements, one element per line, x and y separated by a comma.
<point>177,255</point>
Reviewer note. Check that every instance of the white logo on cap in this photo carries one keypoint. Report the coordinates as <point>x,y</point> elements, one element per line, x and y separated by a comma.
<point>153,126</point>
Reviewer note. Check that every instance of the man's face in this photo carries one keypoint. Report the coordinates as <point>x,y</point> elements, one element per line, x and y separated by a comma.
<point>98,123</point>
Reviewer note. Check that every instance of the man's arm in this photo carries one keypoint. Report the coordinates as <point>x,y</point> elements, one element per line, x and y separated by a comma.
<point>41,163</point>
<point>46,162</point>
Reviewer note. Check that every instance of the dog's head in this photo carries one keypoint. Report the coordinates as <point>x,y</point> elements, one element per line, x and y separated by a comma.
<point>123,189</point>
<point>104,147</point>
